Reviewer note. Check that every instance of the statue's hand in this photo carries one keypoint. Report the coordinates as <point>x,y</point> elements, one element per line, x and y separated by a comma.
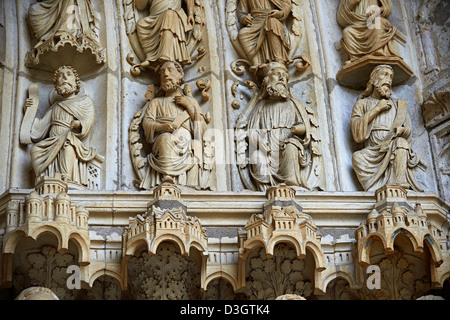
<point>383,105</point>
<point>167,127</point>
<point>182,101</point>
<point>75,124</point>
<point>299,129</point>
<point>277,14</point>
<point>191,20</point>
<point>248,20</point>
<point>28,103</point>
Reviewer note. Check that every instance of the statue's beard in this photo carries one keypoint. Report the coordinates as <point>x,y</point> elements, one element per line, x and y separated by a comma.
<point>278,90</point>
<point>169,85</point>
<point>65,89</point>
<point>384,90</point>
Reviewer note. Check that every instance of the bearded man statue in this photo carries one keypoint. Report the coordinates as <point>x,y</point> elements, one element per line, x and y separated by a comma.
<point>173,124</point>
<point>62,134</point>
<point>282,148</point>
<point>384,126</point>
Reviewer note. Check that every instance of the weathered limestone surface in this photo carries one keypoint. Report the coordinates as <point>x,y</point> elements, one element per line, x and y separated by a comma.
<point>308,229</point>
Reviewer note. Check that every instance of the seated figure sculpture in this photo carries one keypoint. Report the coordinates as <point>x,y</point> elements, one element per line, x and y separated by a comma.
<point>263,37</point>
<point>162,34</point>
<point>358,37</point>
<point>384,126</point>
<point>282,147</point>
<point>173,125</point>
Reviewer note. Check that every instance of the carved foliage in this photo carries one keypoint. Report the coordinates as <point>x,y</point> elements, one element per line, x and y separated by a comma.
<point>166,275</point>
<point>268,278</point>
<point>45,268</point>
<point>219,289</point>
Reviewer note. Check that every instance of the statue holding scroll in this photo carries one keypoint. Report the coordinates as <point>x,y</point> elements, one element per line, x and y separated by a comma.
<point>61,136</point>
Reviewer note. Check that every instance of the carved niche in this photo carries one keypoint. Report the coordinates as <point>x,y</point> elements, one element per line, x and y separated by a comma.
<point>62,30</point>
<point>368,40</point>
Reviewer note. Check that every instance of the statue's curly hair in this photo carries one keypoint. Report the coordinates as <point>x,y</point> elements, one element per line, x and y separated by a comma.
<point>75,73</point>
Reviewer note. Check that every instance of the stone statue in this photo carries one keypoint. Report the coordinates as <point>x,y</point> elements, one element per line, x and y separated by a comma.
<point>263,37</point>
<point>166,33</point>
<point>174,124</point>
<point>384,126</point>
<point>282,135</point>
<point>358,39</point>
<point>61,136</point>
<point>55,23</point>
<point>52,18</point>
<point>264,31</point>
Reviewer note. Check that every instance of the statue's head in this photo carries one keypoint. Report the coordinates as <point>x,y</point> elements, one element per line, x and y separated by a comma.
<point>171,75</point>
<point>380,82</point>
<point>66,81</point>
<point>275,83</point>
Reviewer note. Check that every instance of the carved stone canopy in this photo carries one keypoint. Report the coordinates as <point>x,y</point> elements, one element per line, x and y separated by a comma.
<point>393,215</point>
<point>47,209</point>
<point>165,220</point>
<point>281,222</point>
<point>357,74</point>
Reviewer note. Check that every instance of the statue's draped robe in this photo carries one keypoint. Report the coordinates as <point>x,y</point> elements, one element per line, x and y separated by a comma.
<point>50,17</point>
<point>61,150</point>
<point>373,164</point>
<point>254,38</point>
<point>163,33</point>
<point>177,154</point>
<point>357,39</point>
<point>288,155</point>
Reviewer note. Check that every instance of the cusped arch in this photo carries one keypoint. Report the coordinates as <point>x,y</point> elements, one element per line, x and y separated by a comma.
<point>222,274</point>
<point>287,239</point>
<point>416,243</point>
<point>252,244</point>
<point>83,247</point>
<point>197,245</point>
<point>105,272</point>
<point>62,240</point>
<point>443,278</point>
<point>171,238</point>
<point>317,253</point>
<point>364,252</point>
<point>12,240</point>
<point>435,252</point>
<point>135,244</point>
